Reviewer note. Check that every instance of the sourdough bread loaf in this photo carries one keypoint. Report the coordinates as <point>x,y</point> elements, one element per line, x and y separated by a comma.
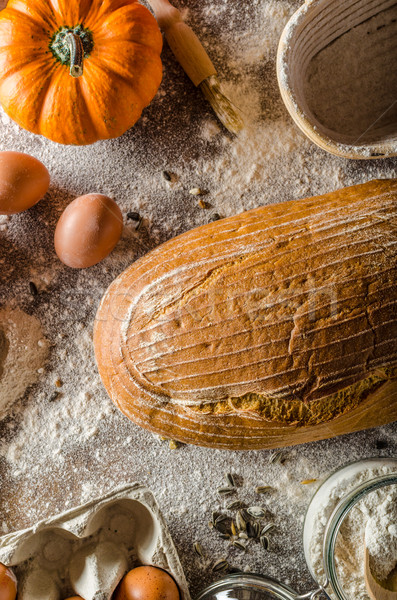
<point>273,327</point>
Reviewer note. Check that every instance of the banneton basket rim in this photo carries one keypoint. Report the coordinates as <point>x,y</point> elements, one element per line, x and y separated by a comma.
<point>354,151</point>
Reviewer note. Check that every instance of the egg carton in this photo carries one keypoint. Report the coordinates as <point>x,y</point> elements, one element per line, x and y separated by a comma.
<point>88,549</point>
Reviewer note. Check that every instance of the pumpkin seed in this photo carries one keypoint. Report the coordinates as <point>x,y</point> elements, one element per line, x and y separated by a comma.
<point>264,542</point>
<point>256,512</point>
<point>198,549</point>
<point>220,565</point>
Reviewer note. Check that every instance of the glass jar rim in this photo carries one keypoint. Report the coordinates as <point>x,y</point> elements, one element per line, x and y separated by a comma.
<point>335,521</point>
<point>266,583</point>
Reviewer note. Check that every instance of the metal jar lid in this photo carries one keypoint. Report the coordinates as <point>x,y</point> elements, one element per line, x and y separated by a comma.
<point>248,586</point>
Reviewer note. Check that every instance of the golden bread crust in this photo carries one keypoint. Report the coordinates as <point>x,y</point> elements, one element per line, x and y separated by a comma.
<point>284,315</point>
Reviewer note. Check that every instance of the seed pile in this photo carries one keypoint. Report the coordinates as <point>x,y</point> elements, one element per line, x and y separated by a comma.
<point>238,524</point>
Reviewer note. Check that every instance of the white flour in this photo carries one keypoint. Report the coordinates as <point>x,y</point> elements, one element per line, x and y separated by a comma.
<point>349,549</point>
<point>381,537</point>
<point>59,452</point>
<point>23,354</point>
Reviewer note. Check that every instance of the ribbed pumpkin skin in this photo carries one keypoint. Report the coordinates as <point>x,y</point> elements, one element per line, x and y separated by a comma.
<point>121,74</point>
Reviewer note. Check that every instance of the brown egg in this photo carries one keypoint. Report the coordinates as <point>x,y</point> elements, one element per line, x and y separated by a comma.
<point>88,230</point>
<point>147,583</point>
<point>8,584</point>
<point>23,181</point>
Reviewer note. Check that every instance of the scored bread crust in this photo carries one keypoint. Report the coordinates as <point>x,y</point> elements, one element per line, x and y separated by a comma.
<point>274,326</point>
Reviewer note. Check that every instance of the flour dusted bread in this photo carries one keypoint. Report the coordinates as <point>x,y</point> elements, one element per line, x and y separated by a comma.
<point>269,328</point>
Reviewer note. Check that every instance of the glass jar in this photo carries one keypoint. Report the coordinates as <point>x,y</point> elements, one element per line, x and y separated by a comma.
<point>354,482</point>
<point>354,486</point>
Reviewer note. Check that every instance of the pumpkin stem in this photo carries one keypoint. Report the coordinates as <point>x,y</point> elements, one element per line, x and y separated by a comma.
<point>76,53</point>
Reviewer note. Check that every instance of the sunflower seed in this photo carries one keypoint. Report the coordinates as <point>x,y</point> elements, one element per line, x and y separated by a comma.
<point>230,480</point>
<point>214,516</point>
<point>256,512</point>
<point>252,529</point>
<point>233,528</point>
<point>226,491</point>
<point>263,489</point>
<point>307,481</point>
<point>210,525</point>
<point>267,528</point>
<point>215,217</point>
<point>224,536</point>
<point>220,565</point>
<point>223,526</point>
<point>219,518</point>
<point>277,457</point>
<point>239,545</point>
<point>240,521</point>
<point>167,176</point>
<point>245,514</point>
<point>234,505</point>
<point>264,542</point>
<point>134,216</point>
<point>33,288</point>
<point>198,549</point>
<point>242,535</point>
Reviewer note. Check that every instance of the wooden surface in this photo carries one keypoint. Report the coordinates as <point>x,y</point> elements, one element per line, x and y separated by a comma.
<point>61,450</point>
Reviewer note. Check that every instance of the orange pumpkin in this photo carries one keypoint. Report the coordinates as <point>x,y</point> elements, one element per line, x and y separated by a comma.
<point>77,71</point>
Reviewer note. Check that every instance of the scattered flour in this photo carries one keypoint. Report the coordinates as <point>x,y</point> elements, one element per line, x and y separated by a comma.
<point>23,354</point>
<point>59,452</point>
